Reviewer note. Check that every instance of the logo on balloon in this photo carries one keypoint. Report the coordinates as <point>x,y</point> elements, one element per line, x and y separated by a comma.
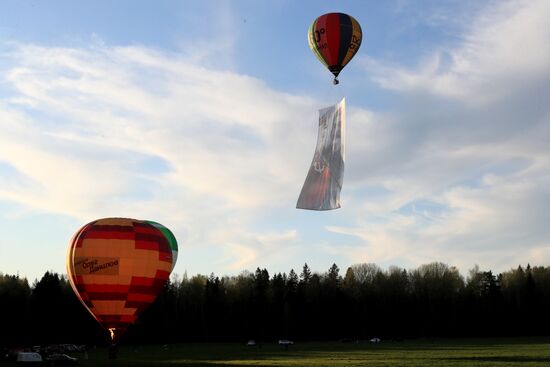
<point>97,266</point>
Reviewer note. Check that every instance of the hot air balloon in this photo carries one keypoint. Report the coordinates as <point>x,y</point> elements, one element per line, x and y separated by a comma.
<point>335,38</point>
<point>117,266</point>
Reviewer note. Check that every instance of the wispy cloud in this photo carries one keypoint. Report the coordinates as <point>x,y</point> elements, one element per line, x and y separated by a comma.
<point>130,131</point>
<point>460,172</point>
<point>502,50</point>
<point>457,172</point>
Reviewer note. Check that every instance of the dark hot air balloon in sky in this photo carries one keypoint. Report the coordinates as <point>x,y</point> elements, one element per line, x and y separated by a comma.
<point>117,266</point>
<point>335,38</point>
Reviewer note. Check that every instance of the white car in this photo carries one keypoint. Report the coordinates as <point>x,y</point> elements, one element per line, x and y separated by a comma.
<point>29,358</point>
<point>375,340</point>
<point>286,342</point>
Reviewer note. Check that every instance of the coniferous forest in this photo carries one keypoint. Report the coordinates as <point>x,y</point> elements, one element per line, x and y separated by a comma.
<point>364,301</point>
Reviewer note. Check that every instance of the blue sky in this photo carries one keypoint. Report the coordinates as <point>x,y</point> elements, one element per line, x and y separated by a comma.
<point>202,116</point>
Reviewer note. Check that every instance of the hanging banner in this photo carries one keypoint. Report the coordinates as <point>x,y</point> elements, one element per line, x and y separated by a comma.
<point>321,190</point>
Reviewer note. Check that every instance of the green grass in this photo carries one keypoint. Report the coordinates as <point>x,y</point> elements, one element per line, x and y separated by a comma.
<point>430,353</point>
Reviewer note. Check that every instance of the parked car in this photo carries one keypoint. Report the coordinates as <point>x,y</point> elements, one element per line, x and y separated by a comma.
<point>69,347</point>
<point>286,342</point>
<point>53,349</point>
<point>29,358</point>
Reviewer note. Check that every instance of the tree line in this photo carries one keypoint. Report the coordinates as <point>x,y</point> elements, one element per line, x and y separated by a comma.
<point>433,300</point>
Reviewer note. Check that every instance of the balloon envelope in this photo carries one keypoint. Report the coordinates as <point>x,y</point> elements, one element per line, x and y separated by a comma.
<point>335,38</point>
<point>171,240</point>
<point>117,266</point>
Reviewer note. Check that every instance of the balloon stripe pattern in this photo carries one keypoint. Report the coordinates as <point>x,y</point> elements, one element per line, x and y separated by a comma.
<point>335,38</point>
<point>313,44</point>
<point>117,266</point>
<point>171,240</point>
<point>354,42</point>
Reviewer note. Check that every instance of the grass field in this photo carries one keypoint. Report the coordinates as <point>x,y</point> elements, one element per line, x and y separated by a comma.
<point>430,353</point>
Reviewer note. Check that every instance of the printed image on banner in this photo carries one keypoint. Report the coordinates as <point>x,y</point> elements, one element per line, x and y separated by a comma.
<point>321,190</point>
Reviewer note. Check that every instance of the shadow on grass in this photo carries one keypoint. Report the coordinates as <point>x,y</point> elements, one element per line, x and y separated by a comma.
<point>510,359</point>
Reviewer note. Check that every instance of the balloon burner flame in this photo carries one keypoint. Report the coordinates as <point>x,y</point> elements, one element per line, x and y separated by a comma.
<point>112,331</point>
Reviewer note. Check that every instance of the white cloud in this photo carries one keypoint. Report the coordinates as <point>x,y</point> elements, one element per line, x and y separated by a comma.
<point>502,50</point>
<point>460,172</point>
<point>255,249</point>
<point>222,135</point>
<point>128,131</point>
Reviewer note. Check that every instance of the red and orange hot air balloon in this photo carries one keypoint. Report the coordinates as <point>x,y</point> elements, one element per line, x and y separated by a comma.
<point>117,266</point>
<point>335,38</point>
